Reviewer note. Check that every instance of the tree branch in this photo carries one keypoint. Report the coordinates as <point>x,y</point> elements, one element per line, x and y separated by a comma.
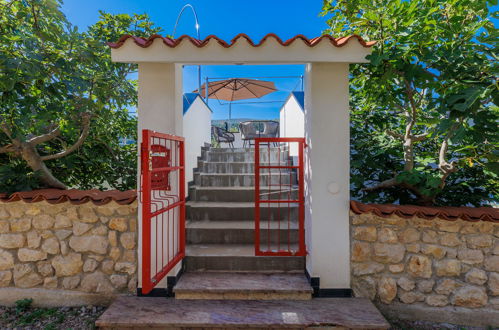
<point>383,185</point>
<point>45,137</point>
<point>420,137</point>
<point>6,130</point>
<point>6,149</point>
<point>79,142</point>
<point>395,135</point>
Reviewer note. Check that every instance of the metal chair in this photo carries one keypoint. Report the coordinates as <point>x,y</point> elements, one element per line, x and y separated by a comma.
<point>253,129</point>
<point>222,136</point>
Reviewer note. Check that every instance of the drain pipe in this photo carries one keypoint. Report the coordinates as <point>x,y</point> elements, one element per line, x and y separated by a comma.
<point>197,32</point>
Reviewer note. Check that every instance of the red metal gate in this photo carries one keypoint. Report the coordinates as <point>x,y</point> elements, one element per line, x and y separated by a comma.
<point>279,197</point>
<point>163,205</point>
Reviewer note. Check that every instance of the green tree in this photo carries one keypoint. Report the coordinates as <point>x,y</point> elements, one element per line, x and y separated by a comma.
<point>424,110</point>
<point>63,103</point>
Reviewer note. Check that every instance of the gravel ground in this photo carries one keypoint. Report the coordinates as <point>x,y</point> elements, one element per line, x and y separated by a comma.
<point>424,325</point>
<point>26,317</point>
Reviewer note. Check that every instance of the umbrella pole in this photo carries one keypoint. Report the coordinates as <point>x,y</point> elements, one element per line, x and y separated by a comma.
<point>230,111</point>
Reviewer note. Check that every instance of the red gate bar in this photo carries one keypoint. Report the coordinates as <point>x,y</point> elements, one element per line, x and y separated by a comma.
<point>163,205</point>
<point>279,197</point>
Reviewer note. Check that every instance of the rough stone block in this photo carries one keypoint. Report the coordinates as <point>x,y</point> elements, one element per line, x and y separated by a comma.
<point>406,283</point>
<point>479,241</point>
<point>127,240</point>
<point>80,228</point>
<point>27,255</point>
<point>5,278</point>
<point>43,221</point>
<point>410,297</point>
<point>87,214</point>
<point>410,235</point>
<point>4,226</point>
<point>448,267</point>
<point>119,281</point>
<point>429,236</point>
<point>397,268</point>
<point>364,233</point>
<point>71,282</point>
<point>67,265</point>
<point>20,225</point>
<point>95,244</point>
<point>437,300</point>
<point>448,226</point>
<point>119,224</point>
<point>6,260</point>
<point>476,276</point>
<point>12,241</point>
<point>434,250</point>
<point>96,282</point>
<point>446,286</point>
<point>419,266</point>
<point>450,239</point>
<point>470,257</point>
<point>62,221</point>
<point>45,268</point>
<point>387,289</point>
<point>425,286</point>
<point>493,284</point>
<point>125,267</point>
<point>389,253</point>
<point>51,246</point>
<point>387,235</point>
<point>470,296</point>
<point>50,282</point>
<point>492,263</point>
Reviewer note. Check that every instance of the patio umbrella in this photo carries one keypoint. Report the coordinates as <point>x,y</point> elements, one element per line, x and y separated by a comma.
<point>237,89</point>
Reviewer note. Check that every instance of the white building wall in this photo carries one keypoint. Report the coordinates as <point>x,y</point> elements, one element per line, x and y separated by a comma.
<point>292,122</point>
<point>292,119</point>
<point>159,109</point>
<point>327,173</point>
<point>197,132</point>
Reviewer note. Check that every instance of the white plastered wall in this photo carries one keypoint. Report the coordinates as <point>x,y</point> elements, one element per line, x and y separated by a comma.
<point>159,109</point>
<point>197,132</point>
<point>291,122</point>
<point>327,172</point>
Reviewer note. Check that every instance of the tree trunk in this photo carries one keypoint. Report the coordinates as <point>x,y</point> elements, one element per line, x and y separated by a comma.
<point>31,156</point>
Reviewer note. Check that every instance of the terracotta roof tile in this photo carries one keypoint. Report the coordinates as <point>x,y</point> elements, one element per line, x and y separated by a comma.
<point>146,42</point>
<point>444,212</point>
<point>55,196</point>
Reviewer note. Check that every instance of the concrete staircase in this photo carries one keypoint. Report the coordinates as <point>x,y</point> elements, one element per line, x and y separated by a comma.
<point>225,286</point>
<point>221,261</point>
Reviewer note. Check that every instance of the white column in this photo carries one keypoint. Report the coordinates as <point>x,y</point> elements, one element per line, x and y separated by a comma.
<point>159,109</point>
<point>327,173</point>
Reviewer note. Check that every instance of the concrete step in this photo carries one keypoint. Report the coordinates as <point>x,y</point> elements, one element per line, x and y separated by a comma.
<point>237,258</point>
<point>246,156</point>
<point>243,286</point>
<point>238,194</point>
<point>242,179</point>
<point>228,211</point>
<point>236,167</point>
<point>240,232</point>
<point>129,312</point>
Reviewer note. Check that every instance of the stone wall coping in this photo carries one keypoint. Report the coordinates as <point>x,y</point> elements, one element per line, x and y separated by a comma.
<point>428,212</point>
<point>76,197</point>
<point>73,196</point>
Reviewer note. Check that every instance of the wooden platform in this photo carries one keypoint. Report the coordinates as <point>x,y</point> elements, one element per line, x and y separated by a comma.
<point>167,313</point>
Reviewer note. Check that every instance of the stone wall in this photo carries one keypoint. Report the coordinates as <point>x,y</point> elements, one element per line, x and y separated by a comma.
<point>67,253</point>
<point>435,269</point>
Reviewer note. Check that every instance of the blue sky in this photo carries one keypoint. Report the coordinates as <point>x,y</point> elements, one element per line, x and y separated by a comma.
<point>224,18</point>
